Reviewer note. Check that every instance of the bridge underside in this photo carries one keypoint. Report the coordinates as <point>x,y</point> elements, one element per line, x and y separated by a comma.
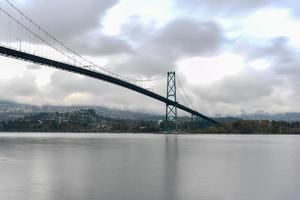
<point>7,52</point>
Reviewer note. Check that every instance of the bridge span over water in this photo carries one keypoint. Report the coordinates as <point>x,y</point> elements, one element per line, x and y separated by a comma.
<point>96,75</point>
<point>31,35</point>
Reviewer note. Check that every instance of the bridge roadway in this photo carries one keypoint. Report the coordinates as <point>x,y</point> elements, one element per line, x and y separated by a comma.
<point>7,52</point>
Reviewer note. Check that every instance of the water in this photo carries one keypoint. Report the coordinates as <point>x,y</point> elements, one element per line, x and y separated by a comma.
<point>148,167</point>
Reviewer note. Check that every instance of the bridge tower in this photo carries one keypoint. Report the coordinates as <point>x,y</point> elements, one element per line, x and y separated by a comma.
<point>171,110</point>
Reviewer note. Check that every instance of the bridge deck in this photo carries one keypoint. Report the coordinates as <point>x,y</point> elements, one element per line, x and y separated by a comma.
<point>89,73</point>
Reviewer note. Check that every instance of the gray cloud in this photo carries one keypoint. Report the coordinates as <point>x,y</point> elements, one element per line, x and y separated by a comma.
<point>18,88</point>
<point>68,18</point>
<point>234,7</point>
<point>76,23</point>
<point>155,50</point>
<point>98,44</point>
<point>65,87</point>
<point>245,86</point>
<point>186,37</point>
<point>285,63</point>
<point>136,31</point>
<point>276,49</point>
<point>147,49</point>
<point>282,56</point>
<point>274,90</point>
<point>177,39</point>
<point>70,89</point>
<point>223,6</point>
<point>249,91</point>
<point>34,67</point>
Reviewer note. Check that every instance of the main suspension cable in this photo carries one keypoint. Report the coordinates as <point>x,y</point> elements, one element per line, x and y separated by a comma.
<point>34,34</point>
<point>185,94</point>
<point>74,52</point>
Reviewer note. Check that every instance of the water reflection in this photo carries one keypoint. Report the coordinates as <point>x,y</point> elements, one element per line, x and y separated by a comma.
<point>149,167</point>
<point>170,165</point>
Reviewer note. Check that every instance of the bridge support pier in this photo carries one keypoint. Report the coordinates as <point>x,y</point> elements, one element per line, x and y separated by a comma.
<point>171,110</point>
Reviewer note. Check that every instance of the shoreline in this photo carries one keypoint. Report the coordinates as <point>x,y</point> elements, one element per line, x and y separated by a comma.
<point>145,133</point>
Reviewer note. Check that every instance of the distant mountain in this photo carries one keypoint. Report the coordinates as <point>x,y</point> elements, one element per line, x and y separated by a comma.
<point>11,110</point>
<point>292,116</point>
<point>289,117</point>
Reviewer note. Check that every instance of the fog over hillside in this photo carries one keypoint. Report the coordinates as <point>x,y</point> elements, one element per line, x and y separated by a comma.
<point>11,110</point>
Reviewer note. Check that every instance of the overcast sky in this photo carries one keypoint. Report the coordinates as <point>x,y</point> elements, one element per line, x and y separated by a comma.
<point>232,56</point>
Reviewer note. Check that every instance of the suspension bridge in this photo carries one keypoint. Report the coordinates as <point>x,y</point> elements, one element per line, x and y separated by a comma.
<point>24,39</point>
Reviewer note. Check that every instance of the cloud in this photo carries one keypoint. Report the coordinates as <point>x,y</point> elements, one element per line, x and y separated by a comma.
<point>274,89</point>
<point>145,49</point>
<point>177,39</point>
<point>274,49</point>
<point>76,23</point>
<point>234,7</point>
<point>283,58</point>
<point>98,44</point>
<point>240,87</point>
<point>18,88</point>
<point>136,31</point>
<point>68,18</point>
<point>248,91</point>
<point>148,50</point>
<point>230,7</point>
<point>67,88</point>
<point>186,37</point>
<point>34,67</point>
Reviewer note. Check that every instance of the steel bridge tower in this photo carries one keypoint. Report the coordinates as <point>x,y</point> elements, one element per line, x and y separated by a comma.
<point>171,110</point>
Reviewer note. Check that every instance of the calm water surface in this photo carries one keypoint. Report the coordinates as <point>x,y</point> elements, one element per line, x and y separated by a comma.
<point>148,167</point>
